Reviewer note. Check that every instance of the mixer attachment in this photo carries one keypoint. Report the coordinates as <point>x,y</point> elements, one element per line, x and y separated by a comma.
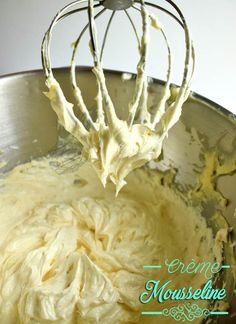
<point>114,146</point>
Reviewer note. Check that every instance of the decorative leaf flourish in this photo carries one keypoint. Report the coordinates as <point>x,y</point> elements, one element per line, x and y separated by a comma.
<point>186,312</point>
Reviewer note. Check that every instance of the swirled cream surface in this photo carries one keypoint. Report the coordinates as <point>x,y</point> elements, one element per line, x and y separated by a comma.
<point>73,253</point>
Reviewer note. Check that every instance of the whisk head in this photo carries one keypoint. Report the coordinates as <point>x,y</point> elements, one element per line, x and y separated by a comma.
<point>117,4</point>
<point>112,145</point>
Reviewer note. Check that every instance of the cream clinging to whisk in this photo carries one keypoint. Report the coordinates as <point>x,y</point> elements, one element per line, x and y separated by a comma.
<point>114,146</point>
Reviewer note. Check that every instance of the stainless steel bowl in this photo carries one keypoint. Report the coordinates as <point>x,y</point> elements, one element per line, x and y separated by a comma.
<point>29,129</point>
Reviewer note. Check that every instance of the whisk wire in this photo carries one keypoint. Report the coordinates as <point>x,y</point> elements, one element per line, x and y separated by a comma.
<point>159,110</point>
<point>138,107</point>
<point>134,27</point>
<point>106,34</point>
<point>141,68</point>
<point>77,92</point>
<point>98,71</point>
<point>179,21</point>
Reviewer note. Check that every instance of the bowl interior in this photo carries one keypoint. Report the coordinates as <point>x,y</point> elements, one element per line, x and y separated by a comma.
<point>28,129</point>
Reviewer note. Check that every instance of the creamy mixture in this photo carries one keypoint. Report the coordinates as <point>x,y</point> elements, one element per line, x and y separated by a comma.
<point>73,253</point>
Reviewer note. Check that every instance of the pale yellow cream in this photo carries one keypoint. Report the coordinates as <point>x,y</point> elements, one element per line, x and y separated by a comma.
<point>73,253</point>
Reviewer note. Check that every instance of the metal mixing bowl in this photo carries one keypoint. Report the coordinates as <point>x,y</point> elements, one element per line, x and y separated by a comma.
<point>28,129</point>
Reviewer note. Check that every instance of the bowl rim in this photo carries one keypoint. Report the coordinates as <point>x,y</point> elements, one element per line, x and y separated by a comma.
<point>193,94</point>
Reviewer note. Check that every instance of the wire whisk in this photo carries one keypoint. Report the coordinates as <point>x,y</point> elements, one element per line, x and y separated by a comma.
<point>114,146</point>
